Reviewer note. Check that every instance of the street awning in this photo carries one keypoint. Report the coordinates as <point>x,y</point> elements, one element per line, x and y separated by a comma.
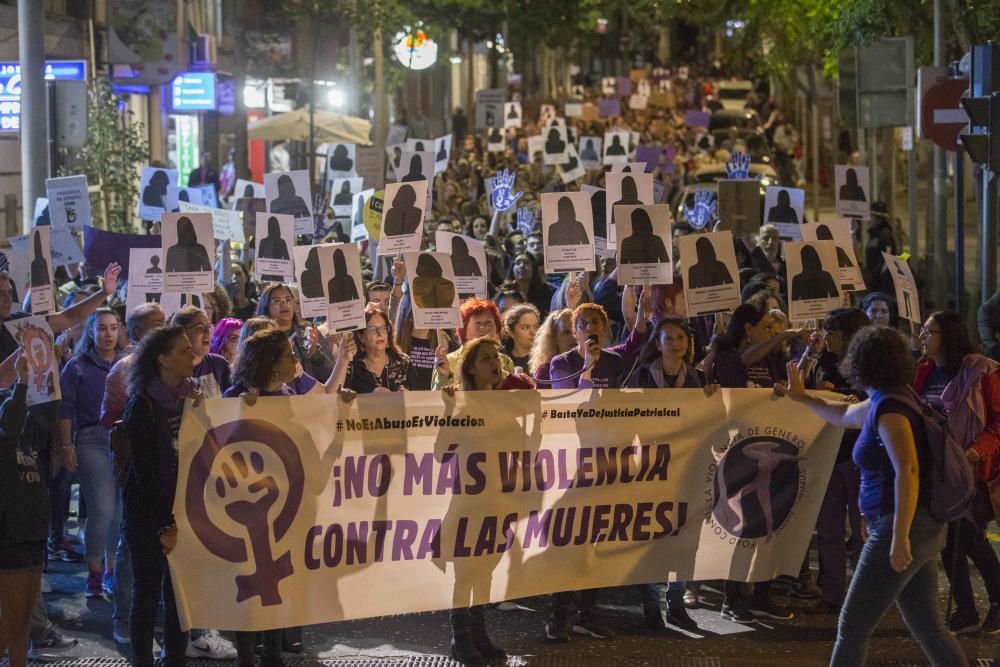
<point>329,126</point>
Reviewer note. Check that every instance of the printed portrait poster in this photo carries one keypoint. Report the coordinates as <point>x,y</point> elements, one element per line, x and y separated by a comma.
<point>433,290</point>
<point>69,202</point>
<point>176,195</point>
<point>839,231</point>
<point>393,159</point>
<point>38,248</point>
<point>711,274</point>
<point>546,112</point>
<point>248,190</point>
<point>556,139</point>
<point>608,85</point>
<point>813,285</point>
<point>289,193</point>
<point>275,238</point>
<point>442,153</point>
<point>512,114</point>
<point>625,189</point>
<point>616,147</point>
<point>739,204</point>
<point>572,170</point>
<point>370,166</point>
<point>489,108</point>
<point>417,145</point>
<point>468,262</point>
<point>784,208</point>
<point>536,145</point>
<point>358,230</point>
<point>402,217</point>
<point>599,212</point>
<point>342,195</point>
<point>226,225</point>
<point>418,166</point>
<point>35,337</point>
<point>153,191</point>
<point>310,262</point>
<point>907,298</point>
<point>341,160</point>
<point>145,278</point>
<point>567,232</point>
<point>590,152</point>
<point>344,293</point>
<point>852,185</point>
<point>495,141</point>
<point>630,168</point>
<point>644,244</point>
<point>64,248</point>
<point>188,251</point>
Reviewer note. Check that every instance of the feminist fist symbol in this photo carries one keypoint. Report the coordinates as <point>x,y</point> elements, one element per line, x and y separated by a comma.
<point>525,220</point>
<point>503,196</point>
<point>738,166</point>
<point>241,484</point>
<point>704,207</point>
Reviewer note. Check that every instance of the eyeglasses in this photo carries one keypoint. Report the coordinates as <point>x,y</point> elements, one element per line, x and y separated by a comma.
<point>283,301</point>
<point>380,329</point>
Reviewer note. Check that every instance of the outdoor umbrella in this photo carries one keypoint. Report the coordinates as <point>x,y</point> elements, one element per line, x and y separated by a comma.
<point>328,126</point>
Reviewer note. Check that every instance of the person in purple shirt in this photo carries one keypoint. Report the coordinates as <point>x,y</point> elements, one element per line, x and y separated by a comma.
<point>84,443</point>
<point>211,371</point>
<point>588,365</point>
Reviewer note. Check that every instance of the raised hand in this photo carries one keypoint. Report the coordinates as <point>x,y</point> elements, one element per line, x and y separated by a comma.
<point>738,166</point>
<point>525,220</point>
<point>110,282</point>
<point>504,196</point>
<point>704,208</point>
<point>398,269</point>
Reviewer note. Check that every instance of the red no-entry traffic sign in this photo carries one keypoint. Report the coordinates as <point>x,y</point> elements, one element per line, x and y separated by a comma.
<point>942,115</point>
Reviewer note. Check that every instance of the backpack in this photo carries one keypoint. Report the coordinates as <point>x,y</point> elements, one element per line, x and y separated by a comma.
<point>950,478</point>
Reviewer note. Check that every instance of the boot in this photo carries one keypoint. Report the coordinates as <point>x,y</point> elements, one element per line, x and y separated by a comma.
<point>463,648</point>
<point>484,645</point>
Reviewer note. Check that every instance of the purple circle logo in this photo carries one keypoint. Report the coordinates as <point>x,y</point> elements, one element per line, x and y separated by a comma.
<point>237,464</point>
<point>756,484</point>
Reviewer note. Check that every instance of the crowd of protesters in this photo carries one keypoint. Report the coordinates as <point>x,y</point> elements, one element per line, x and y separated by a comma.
<point>132,376</point>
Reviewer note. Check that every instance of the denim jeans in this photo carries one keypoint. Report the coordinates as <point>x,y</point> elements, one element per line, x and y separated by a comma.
<point>97,483</point>
<point>122,598</point>
<point>876,586</point>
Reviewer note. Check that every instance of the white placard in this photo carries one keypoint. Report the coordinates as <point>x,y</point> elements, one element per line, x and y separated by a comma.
<point>625,189</point>
<point>572,170</point>
<point>489,108</point>
<point>813,290</point>
<point>248,190</point>
<point>289,193</point>
<point>341,160</point>
<point>784,208</point>
<point>418,166</point>
<point>275,236</point>
<point>599,213</point>
<point>512,114</point>
<point>536,145</point>
<point>418,146</point>
<point>495,141</point>
<point>554,150</point>
<point>226,225</point>
<point>644,247</point>
<point>852,185</point>
<point>711,274</point>
<point>65,250</point>
<point>344,291</point>
<point>590,152</point>
<point>342,195</point>
<point>145,278</point>
<point>839,231</point>
<point>442,153</point>
<point>432,290</point>
<point>178,195</point>
<point>907,298</point>
<point>616,147</point>
<point>358,230</point>
<point>573,109</point>
<point>393,159</point>
<point>313,268</point>
<point>402,217</point>
<point>39,249</point>
<point>189,252</point>
<point>35,337</point>
<point>69,203</point>
<point>468,262</point>
<point>153,191</point>
<point>567,231</point>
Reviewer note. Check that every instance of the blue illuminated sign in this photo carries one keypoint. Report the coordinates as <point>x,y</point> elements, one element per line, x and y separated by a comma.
<point>193,91</point>
<point>10,87</point>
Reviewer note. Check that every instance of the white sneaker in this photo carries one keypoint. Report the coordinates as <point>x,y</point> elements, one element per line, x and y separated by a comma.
<point>212,646</point>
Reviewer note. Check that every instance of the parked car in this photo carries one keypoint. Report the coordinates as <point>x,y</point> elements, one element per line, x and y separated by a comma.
<point>743,119</point>
<point>732,93</point>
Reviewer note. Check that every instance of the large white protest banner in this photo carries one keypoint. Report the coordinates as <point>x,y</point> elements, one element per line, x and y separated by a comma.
<point>292,511</point>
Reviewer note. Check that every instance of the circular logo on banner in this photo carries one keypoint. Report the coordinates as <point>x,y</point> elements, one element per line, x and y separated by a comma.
<point>756,485</point>
<point>373,215</point>
<point>252,470</point>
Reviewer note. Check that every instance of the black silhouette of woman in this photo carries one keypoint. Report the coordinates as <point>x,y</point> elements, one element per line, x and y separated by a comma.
<point>187,255</point>
<point>465,265</point>
<point>783,211</point>
<point>495,136</point>
<point>851,190</point>
<point>442,154</point>
<point>273,246</point>
<point>248,192</point>
<point>404,216</point>
<point>554,143</point>
<point>39,265</point>
<point>154,268</point>
<point>598,202</point>
<point>708,270</point>
<point>418,146</point>
<point>340,160</point>
<point>156,189</point>
<point>181,196</point>
<point>430,288</point>
<point>512,114</point>
<point>416,172</point>
<point>823,233</point>
<point>287,201</point>
<point>567,230</point>
<point>813,282</point>
<point>341,287</point>
<point>642,246</point>
<point>630,195</point>
<point>311,280</point>
<point>588,154</point>
<point>345,196</point>
<point>616,147</point>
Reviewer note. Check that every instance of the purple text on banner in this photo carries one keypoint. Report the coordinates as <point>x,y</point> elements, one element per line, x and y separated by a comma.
<point>100,248</point>
<point>612,107</point>
<point>696,118</point>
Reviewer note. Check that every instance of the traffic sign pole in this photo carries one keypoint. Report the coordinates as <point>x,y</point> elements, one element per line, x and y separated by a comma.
<point>34,156</point>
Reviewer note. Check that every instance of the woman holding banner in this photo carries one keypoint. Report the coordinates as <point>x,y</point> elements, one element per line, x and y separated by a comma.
<point>370,360</point>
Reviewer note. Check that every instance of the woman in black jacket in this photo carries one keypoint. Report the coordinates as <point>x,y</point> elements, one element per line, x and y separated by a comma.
<point>24,513</point>
<point>159,384</point>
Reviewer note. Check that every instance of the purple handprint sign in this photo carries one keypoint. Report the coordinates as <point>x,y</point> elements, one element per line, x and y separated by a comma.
<point>236,465</point>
